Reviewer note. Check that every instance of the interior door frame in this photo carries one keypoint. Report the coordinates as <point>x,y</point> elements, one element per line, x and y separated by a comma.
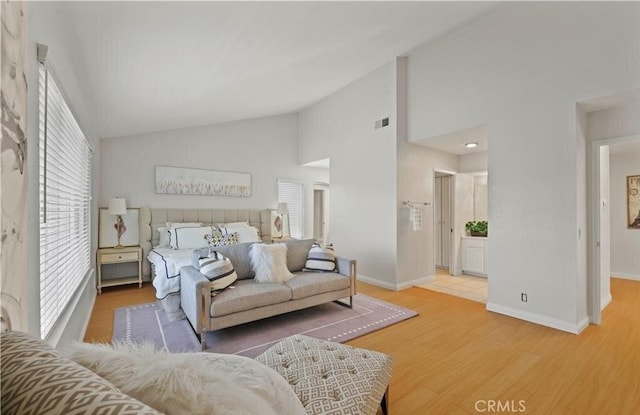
<point>452,222</point>
<point>594,277</point>
<point>324,188</point>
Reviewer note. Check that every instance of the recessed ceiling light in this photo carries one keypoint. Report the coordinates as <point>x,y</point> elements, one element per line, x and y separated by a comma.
<point>471,145</point>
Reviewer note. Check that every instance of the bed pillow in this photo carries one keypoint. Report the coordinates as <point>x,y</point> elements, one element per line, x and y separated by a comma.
<point>164,241</point>
<point>218,270</point>
<point>269,262</point>
<point>189,238</point>
<point>245,233</point>
<point>321,259</point>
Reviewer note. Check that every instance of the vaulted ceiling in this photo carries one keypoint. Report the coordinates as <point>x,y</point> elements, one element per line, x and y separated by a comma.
<point>152,66</point>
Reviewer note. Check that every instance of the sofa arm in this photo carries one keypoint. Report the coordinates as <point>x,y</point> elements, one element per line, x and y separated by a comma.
<point>346,266</point>
<point>195,298</point>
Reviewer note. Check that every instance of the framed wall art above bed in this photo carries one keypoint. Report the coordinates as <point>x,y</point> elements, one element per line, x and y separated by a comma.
<point>185,181</point>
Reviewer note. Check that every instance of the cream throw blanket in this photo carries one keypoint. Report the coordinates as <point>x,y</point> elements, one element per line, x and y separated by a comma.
<point>190,383</point>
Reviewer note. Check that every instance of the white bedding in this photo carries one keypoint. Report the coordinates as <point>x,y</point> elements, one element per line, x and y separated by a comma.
<point>166,264</point>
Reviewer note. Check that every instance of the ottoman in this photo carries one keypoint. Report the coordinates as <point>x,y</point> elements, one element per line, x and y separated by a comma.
<point>332,378</point>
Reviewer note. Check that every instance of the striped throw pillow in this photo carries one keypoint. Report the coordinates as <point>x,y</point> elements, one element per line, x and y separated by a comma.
<point>321,259</point>
<point>219,271</point>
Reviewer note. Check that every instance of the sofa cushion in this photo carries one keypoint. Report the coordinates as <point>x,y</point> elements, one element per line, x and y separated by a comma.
<point>239,256</point>
<point>306,284</point>
<point>36,379</point>
<point>248,294</point>
<point>297,250</point>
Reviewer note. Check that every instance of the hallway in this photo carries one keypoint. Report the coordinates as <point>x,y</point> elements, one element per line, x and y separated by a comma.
<point>465,286</point>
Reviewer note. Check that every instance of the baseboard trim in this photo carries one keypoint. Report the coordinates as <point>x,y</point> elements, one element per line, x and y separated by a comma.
<point>625,276</point>
<point>395,287</point>
<point>540,319</point>
<point>605,301</point>
<point>377,283</point>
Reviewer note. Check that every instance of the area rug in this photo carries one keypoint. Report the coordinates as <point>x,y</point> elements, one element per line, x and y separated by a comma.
<point>330,321</point>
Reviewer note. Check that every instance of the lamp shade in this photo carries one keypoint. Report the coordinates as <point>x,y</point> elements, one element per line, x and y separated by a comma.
<point>117,206</point>
<point>283,208</point>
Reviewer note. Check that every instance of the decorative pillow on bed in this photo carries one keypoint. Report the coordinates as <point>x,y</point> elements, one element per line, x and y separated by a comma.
<point>269,262</point>
<point>321,259</point>
<point>219,271</point>
<point>218,239</point>
<point>189,238</point>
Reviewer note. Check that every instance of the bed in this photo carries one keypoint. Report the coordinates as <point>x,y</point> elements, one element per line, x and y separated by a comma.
<point>162,264</point>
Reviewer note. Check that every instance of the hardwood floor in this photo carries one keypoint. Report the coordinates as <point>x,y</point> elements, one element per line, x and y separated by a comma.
<point>458,358</point>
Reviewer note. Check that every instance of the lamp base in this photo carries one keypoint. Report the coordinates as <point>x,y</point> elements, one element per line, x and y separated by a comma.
<point>118,246</point>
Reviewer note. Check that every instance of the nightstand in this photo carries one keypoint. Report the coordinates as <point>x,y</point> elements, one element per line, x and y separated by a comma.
<point>280,238</point>
<point>113,256</point>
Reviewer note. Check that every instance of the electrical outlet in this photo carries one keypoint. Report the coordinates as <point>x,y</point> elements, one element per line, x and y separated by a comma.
<point>523,297</point>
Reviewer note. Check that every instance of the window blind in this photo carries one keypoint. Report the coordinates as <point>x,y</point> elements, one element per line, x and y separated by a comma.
<point>292,193</point>
<point>65,206</point>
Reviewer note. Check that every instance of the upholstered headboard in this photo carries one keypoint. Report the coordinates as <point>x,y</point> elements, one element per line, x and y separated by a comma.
<point>152,218</point>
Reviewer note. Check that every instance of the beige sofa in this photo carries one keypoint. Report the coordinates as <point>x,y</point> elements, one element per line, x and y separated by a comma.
<point>250,300</point>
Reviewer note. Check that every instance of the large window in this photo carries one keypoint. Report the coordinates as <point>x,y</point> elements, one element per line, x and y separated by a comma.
<point>292,193</point>
<point>65,206</point>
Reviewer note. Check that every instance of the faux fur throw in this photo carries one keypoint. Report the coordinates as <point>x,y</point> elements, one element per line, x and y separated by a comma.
<point>189,383</point>
<point>269,262</point>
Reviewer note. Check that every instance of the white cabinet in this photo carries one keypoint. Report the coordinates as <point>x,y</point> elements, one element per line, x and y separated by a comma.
<point>474,255</point>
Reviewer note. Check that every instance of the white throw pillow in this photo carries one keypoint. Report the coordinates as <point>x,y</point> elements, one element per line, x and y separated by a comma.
<point>189,238</point>
<point>269,262</point>
<point>189,383</point>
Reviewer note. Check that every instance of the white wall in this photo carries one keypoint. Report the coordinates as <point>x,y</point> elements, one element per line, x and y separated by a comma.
<point>45,27</point>
<point>471,163</point>
<point>521,69</point>
<point>265,147</point>
<point>363,169</point>
<point>625,243</point>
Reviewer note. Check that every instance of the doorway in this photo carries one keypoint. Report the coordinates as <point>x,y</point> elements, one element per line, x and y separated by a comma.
<point>442,218</point>
<point>600,239</point>
<point>321,213</point>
